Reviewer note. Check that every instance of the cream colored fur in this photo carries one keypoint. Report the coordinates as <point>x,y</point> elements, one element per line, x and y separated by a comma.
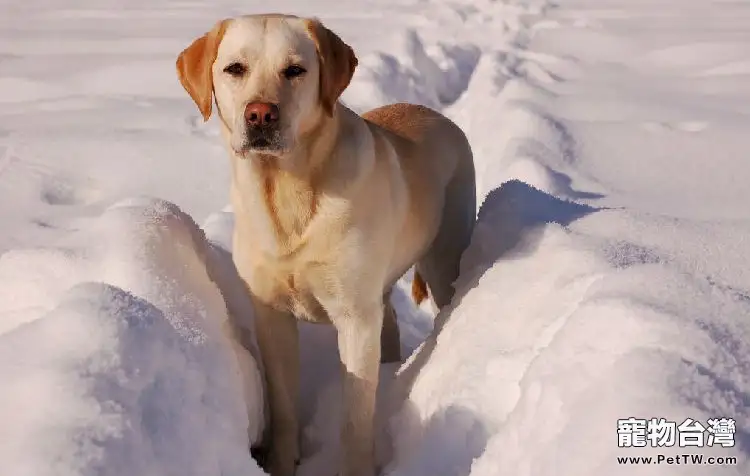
<point>333,214</point>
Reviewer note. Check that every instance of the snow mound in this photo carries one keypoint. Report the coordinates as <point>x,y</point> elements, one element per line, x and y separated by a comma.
<point>540,355</point>
<point>115,353</point>
<point>432,75</point>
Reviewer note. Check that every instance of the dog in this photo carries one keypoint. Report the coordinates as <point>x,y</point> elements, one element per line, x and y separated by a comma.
<point>331,208</point>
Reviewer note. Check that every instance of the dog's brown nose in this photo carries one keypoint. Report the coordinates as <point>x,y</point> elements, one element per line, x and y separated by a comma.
<point>261,114</point>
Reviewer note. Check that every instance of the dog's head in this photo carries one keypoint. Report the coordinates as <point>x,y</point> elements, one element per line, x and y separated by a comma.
<point>274,77</point>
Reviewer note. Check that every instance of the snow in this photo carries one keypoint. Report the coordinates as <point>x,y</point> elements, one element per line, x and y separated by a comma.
<point>607,277</point>
<point>114,356</point>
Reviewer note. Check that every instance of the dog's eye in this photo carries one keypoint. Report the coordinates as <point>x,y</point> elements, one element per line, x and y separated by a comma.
<point>293,71</point>
<point>235,69</point>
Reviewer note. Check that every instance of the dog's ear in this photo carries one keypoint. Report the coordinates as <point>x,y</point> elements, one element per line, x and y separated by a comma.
<point>337,63</point>
<point>194,67</point>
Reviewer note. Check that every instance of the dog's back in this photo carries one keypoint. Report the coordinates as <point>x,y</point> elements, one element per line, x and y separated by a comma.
<point>438,165</point>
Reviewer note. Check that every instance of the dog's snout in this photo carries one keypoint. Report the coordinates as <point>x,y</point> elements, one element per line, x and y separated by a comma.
<point>261,114</point>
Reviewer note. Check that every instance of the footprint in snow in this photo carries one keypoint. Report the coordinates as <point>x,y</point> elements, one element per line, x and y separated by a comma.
<point>59,192</point>
<point>684,126</point>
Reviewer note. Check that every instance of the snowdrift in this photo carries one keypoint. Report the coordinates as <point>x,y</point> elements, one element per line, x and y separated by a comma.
<point>115,357</point>
<point>554,337</point>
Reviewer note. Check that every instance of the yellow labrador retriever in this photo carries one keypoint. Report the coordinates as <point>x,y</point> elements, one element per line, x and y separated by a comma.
<point>331,208</point>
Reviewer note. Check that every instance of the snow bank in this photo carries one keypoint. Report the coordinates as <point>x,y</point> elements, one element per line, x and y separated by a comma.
<point>571,314</point>
<point>554,338</point>
<point>115,356</point>
<point>432,75</point>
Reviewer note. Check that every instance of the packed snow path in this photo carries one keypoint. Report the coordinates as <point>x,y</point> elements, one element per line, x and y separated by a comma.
<point>607,279</point>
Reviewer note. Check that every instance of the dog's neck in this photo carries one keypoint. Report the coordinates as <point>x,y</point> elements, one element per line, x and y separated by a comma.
<point>281,194</point>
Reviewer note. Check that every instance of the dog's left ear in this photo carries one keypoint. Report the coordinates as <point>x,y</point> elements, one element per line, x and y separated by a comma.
<point>337,63</point>
<point>194,67</point>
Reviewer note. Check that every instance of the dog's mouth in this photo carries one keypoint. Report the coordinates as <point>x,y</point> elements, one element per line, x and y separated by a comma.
<point>260,143</point>
<point>266,141</point>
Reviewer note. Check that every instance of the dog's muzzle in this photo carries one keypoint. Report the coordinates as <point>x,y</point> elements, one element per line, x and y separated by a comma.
<point>262,120</point>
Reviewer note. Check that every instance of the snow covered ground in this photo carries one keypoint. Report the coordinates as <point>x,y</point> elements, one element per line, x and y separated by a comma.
<point>608,278</point>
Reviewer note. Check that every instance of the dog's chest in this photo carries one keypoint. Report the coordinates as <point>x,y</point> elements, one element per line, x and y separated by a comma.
<point>288,288</point>
<point>283,243</point>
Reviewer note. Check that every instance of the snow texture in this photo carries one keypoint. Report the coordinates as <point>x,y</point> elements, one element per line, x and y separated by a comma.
<point>608,276</point>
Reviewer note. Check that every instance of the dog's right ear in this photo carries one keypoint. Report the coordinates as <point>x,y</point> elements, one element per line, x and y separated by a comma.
<point>194,67</point>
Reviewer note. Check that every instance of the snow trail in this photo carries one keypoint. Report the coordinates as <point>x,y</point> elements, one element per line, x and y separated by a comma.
<point>540,353</point>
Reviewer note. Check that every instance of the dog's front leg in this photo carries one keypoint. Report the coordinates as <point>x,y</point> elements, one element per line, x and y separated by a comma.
<point>279,347</point>
<point>359,329</point>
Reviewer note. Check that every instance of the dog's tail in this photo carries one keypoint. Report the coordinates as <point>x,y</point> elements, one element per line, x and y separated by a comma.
<point>419,290</point>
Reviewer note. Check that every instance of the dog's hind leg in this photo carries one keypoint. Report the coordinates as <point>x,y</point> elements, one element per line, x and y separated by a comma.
<point>390,340</point>
<point>440,265</point>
